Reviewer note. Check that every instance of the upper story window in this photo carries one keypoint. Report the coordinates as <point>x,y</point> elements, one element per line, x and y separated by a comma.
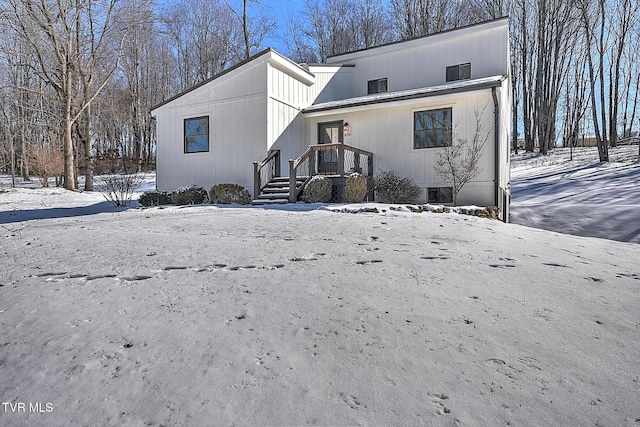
<point>196,135</point>
<point>432,128</point>
<point>377,86</point>
<point>459,72</point>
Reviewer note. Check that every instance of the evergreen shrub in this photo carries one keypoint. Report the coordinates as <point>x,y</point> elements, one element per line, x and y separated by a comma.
<point>317,190</point>
<point>193,195</point>
<point>391,187</point>
<point>229,194</point>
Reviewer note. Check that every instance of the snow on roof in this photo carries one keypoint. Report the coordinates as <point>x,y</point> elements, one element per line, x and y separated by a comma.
<point>452,87</point>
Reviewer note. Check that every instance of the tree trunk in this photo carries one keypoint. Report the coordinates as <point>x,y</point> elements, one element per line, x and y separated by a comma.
<point>88,152</point>
<point>69,164</point>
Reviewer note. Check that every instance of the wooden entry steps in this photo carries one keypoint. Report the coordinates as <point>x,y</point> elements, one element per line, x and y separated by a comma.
<point>277,191</point>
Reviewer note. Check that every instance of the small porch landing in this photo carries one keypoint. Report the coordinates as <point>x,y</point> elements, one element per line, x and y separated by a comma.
<point>336,161</point>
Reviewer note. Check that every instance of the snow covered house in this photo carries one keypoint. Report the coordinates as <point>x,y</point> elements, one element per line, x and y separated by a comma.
<point>268,123</point>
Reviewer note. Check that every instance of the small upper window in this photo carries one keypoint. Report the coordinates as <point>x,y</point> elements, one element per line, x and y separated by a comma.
<point>459,72</point>
<point>377,86</point>
<point>432,128</point>
<point>196,135</point>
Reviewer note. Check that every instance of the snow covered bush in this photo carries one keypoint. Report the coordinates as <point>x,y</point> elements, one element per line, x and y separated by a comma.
<point>118,188</point>
<point>317,190</point>
<point>393,188</point>
<point>155,198</point>
<point>193,195</point>
<point>355,189</point>
<point>229,194</point>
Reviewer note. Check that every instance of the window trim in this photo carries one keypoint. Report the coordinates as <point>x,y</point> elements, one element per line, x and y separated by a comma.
<point>439,191</point>
<point>186,137</point>
<point>458,68</point>
<point>442,129</point>
<point>378,81</point>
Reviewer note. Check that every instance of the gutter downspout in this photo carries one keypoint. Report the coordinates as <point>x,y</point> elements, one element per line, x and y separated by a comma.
<point>496,180</point>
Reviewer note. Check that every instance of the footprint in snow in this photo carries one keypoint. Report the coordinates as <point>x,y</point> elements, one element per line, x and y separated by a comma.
<point>136,278</point>
<point>101,276</point>
<point>553,264</point>
<point>49,274</point>
<point>311,257</point>
<point>437,399</point>
<point>373,261</point>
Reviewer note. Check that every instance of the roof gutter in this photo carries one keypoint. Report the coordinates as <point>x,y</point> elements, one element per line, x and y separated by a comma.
<point>496,180</point>
<point>407,95</point>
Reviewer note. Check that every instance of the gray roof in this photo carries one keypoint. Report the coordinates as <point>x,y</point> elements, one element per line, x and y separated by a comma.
<point>379,98</point>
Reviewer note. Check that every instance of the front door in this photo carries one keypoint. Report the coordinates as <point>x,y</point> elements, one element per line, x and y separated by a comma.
<point>329,133</point>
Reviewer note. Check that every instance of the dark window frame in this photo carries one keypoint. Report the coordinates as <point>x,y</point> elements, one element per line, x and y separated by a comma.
<point>188,137</point>
<point>439,136</point>
<point>458,72</point>
<point>381,86</point>
<point>440,195</point>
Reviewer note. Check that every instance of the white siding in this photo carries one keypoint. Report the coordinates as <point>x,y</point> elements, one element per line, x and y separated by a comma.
<point>387,131</point>
<point>236,106</point>
<point>287,97</point>
<point>422,62</point>
<point>332,83</point>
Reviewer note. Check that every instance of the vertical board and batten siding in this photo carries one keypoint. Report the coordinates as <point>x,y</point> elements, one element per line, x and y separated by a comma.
<point>236,106</point>
<point>387,131</point>
<point>333,82</point>
<point>422,62</point>
<point>288,96</point>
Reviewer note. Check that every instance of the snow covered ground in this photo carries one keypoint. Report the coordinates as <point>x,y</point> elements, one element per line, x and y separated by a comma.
<point>298,315</point>
<point>581,196</point>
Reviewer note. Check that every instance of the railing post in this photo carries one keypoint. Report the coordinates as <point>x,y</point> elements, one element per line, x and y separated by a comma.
<point>276,159</point>
<point>256,180</point>
<point>292,182</point>
<point>340,159</point>
<point>312,162</point>
<point>370,182</point>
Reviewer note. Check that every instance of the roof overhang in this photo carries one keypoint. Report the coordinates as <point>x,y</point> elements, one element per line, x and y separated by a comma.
<point>380,100</point>
<point>290,68</point>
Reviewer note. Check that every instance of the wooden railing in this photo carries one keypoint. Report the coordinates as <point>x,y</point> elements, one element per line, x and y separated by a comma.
<point>265,171</point>
<point>328,159</point>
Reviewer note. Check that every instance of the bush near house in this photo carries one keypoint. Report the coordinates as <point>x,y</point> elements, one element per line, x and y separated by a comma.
<point>193,195</point>
<point>355,189</point>
<point>229,194</point>
<point>317,190</point>
<point>391,187</point>
<point>155,198</point>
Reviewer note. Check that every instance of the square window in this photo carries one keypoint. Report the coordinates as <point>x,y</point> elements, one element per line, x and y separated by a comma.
<point>377,86</point>
<point>440,195</point>
<point>459,72</point>
<point>432,128</point>
<point>196,135</point>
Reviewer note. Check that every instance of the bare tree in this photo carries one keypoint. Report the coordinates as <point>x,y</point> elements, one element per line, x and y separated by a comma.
<point>46,160</point>
<point>203,37</point>
<point>414,18</point>
<point>331,27</point>
<point>255,27</point>
<point>65,36</point>
<point>458,162</point>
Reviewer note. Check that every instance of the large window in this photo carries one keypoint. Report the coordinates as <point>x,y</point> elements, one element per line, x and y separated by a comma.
<point>196,135</point>
<point>432,128</point>
<point>377,86</point>
<point>459,72</point>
